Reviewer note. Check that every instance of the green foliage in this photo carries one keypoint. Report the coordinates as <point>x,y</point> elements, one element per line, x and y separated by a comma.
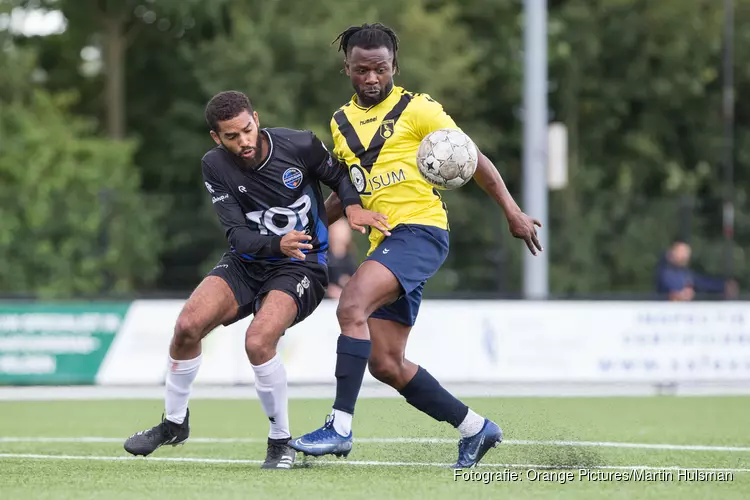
<point>74,220</point>
<point>638,84</point>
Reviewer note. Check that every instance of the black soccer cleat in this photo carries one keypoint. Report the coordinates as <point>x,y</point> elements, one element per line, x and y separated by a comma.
<point>279,455</point>
<point>146,442</point>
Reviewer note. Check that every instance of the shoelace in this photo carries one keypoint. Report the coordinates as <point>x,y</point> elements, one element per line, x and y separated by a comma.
<point>276,451</point>
<point>324,431</point>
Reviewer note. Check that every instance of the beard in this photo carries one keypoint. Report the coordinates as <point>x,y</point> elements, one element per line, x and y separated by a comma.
<point>371,100</point>
<point>251,163</point>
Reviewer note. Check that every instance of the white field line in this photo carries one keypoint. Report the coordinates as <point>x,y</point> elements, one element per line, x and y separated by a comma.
<point>30,456</point>
<point>521,442</point>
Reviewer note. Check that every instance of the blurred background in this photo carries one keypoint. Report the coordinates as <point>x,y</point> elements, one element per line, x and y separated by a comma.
<point>102,131</point>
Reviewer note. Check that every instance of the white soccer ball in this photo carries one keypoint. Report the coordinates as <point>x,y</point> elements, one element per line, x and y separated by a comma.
<point>447,158</point>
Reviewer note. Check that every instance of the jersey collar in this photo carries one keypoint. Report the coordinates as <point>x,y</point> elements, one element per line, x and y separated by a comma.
<point>270,149</point>
<point>390,94</point>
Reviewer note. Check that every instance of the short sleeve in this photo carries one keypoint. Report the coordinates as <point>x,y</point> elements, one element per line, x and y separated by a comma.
<point>429,116</point>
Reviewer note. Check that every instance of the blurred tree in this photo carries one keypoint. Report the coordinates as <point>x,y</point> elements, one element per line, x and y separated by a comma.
<point>638,85</point>
<point>636,82</point>
<point>148,93</point>
<point>113,26</point>
<point>74,220</point>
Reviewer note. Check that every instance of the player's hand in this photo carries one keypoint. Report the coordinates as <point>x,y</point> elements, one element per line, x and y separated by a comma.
<point>358,218</point>
<point>293,242</point>
<point>523,227</point>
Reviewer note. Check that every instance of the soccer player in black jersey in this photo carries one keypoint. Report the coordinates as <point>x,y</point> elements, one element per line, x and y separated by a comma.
<point>264,185</point>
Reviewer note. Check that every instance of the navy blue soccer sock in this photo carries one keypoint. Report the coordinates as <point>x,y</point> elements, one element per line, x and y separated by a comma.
<point>351,363</point>
<point>426,394</point>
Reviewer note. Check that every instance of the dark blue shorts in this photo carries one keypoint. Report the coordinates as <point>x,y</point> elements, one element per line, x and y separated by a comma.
<point>413,253</point>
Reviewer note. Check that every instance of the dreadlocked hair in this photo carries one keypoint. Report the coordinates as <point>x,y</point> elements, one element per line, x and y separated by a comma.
<point>369,36</point>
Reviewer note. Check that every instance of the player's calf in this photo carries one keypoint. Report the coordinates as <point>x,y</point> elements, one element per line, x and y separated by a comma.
<point>390,371</point>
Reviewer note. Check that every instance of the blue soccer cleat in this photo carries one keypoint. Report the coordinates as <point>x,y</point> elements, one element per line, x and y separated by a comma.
<point>324,441</point>
<point>472,449</point>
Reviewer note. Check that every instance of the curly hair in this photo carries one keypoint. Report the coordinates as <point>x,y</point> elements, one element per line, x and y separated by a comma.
<point>225,106</point>
<point>369,36</point>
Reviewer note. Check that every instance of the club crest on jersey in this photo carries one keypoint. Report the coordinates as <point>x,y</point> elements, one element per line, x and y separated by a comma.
<point>292,177</point>
<point>358,178</point>
<point>386,129</point>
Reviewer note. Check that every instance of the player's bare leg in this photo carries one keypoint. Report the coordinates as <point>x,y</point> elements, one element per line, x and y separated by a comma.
<point>389,365</point>
<point>277,313</point>
<point>372,286</point>
<point>211,304</point>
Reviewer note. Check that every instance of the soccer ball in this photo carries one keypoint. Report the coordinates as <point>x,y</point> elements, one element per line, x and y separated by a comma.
<point>447,158</point>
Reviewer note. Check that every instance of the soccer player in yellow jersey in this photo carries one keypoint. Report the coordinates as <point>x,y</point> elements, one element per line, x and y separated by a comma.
<point>376,135</point>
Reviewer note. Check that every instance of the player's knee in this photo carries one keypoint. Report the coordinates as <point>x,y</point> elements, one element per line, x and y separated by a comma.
<point>350,313</point>
<point>259,347</point>
<point>384,369</point>
<point>188,331</point>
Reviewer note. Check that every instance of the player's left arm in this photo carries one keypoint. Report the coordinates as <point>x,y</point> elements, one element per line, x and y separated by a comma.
<point>331,172</point>
<point>433,117</point>
<point>521,225</point>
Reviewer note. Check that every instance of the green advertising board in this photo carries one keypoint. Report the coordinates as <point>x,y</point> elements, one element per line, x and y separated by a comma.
<point>58,344</point>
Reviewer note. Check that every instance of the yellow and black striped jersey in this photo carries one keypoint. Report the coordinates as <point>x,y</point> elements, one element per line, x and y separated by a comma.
<point>379,146</point>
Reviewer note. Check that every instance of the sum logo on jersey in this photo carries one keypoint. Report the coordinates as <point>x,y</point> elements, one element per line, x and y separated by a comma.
<point>281,220</point>
<point>367,186</point>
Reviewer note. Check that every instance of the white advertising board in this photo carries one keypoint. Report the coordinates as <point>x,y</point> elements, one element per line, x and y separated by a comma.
<point>481,341</point>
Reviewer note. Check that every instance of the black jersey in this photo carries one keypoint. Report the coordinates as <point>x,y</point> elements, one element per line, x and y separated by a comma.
<point>258,206</point>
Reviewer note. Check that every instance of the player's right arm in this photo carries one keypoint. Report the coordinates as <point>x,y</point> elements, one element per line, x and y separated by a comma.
<point>239,234</point>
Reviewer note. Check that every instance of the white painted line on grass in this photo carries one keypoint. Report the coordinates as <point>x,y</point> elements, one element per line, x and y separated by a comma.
<point>32,456</point>
<point>520,442</point>
<point>648,446</point>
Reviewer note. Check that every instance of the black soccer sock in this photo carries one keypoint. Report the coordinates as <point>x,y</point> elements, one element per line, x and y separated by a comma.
<point>351,362</point>
<point>426,394</point>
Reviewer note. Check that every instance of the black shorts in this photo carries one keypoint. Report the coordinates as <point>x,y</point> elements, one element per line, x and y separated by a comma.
<point>305,282</point>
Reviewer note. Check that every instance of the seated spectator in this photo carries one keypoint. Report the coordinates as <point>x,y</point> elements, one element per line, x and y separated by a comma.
<point>676,280</point>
